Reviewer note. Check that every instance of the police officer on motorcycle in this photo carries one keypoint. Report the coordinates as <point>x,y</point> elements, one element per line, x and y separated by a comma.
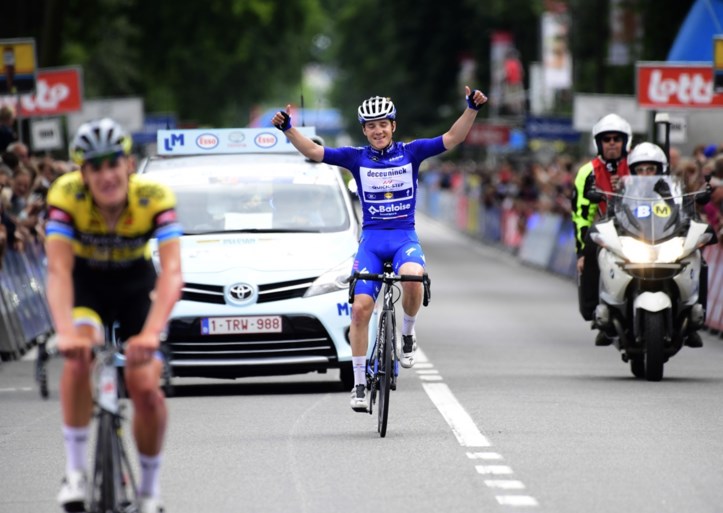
<point>613,138</point>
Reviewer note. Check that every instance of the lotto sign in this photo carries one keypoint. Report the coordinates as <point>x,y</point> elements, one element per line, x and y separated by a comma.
<point>58,91</point>
<point>676,86</point>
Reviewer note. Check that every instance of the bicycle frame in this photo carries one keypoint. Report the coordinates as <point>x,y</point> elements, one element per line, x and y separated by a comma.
<point>114,486</point>
<point>382,363</point>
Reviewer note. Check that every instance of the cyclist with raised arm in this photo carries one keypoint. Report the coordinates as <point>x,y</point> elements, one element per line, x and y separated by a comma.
<point>386,174</point>
<point>613,138</point>
<point>100,220</point>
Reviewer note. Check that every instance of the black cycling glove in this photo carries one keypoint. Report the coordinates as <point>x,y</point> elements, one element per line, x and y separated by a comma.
<point>662,188</point>
<point>286,124</point>
<point>703,196</point>
<point>470,101</point>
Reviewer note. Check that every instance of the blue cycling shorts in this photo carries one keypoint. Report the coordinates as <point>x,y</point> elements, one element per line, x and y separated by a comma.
<point>378,246</point>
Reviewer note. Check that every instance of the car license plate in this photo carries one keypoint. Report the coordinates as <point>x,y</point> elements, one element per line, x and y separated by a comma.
<point>240,325</point>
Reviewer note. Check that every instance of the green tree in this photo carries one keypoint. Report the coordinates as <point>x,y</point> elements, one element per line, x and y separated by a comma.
<point>213,60</point>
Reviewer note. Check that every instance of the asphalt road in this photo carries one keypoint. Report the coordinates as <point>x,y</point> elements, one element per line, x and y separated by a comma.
<point>511,408</point>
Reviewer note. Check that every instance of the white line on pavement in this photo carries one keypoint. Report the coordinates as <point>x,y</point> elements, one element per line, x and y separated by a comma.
<point>496,470</point>
<point>458,419</point>
<point>516,500</point>
<point>506,484</point>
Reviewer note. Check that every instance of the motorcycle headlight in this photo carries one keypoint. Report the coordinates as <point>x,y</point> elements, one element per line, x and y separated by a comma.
<point>636,251</point>
<point>332,280</point>
<point>670,251</point>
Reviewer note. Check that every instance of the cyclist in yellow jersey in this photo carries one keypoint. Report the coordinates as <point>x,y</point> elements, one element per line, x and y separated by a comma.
<point>100,220</point>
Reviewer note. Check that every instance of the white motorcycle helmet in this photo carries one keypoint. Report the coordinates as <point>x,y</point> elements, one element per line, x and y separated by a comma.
<point>648,153</point>
<point>376,108</point>
<point>616,124</point>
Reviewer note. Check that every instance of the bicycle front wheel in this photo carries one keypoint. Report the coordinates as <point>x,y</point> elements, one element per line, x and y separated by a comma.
<point>385,344</point>
<point>103,498</point>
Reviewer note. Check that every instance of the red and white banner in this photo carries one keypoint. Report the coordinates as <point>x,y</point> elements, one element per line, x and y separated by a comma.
<point>58,91</point>
<point>483,134</point>
<point>662,85</point>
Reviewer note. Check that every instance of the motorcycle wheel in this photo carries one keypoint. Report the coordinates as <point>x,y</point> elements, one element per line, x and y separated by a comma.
<point>637,367</point>
<point>653,332</point>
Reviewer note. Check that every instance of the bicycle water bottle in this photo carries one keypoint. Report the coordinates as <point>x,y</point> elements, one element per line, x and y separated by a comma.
<point>373,327</point>
<point>108,385</point>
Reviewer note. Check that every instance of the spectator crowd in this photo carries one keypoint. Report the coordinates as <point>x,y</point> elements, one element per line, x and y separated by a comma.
<point>528,185</point>
<point>24,183</point>
<point>522,183</point>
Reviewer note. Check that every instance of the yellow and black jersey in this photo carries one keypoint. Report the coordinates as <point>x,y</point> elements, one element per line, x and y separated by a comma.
<point>73,216</point>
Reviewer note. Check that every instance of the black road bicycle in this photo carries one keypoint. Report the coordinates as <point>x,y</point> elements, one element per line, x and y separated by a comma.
<point>113,484</point>
<point>383,364</point>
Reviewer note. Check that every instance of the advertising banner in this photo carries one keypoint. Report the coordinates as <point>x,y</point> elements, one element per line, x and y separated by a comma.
<point>556,55</point>
<point>17,75</point>
<point>58,91</point>
<point>128,112</point>
<point>484,134</point>
<point>664,85</point>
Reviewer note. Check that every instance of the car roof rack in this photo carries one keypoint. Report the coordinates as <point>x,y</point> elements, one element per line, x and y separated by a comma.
<point>224,141</point>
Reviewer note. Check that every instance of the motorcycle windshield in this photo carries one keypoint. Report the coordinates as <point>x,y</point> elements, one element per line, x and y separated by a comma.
<point>651,208</point>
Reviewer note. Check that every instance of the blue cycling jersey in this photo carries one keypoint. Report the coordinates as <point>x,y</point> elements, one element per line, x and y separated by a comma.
<point>386,179</point>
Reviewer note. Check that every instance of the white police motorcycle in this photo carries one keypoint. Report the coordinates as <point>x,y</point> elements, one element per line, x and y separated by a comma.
<point>650,271</point>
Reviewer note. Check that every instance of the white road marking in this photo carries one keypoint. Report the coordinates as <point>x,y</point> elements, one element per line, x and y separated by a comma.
<point>431,378</point>
<point>423,365</point>
<point>468,435</point>
<point>458,419</point>
<point>506,484</point>
<point>516,500</point>
<point>484,456</point>
<point>496,470</point>
<point>18,389</point>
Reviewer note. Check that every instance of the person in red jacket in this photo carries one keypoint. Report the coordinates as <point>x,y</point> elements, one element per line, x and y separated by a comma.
<point>613,139</point>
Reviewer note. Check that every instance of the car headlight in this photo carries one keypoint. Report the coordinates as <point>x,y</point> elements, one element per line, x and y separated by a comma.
<point>332,280</point>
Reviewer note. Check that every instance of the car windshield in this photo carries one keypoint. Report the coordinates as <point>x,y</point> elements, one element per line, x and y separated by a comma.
<point>220,199</point>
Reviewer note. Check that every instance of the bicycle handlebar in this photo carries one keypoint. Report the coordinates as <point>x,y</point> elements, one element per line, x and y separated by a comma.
<point>391,278</point>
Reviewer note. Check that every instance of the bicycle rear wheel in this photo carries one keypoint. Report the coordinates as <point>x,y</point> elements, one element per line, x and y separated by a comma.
<point>385,344</point>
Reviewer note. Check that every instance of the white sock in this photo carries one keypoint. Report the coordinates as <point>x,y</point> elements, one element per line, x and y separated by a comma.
<point>359,364</point>
<point>150,466</point>
<point>408,324</point>
<point>76,448</point>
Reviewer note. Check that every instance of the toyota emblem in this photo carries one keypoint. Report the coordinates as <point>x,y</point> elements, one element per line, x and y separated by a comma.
<point>240,293</point>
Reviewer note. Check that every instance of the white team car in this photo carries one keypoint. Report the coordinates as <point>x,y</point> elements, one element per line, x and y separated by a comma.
<point>269,239</point>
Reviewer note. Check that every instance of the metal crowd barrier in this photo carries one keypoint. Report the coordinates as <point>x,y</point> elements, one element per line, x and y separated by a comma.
<point>547,240</point>
<point>24,314</point>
